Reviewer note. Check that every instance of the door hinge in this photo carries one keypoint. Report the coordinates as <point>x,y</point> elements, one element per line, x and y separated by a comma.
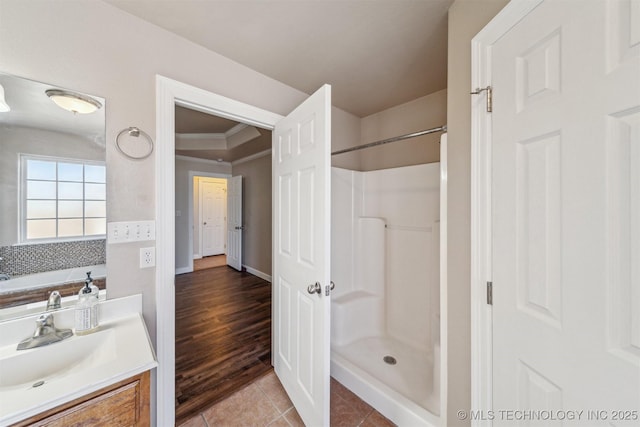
<point>490,293</point>
<point>489,91</point>
<point>329,288</point>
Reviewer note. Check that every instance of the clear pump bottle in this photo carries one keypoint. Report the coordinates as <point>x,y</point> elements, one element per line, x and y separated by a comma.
<point>86,314</point>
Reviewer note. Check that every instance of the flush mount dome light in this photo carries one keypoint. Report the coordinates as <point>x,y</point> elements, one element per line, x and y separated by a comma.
<point>74,102</point>
<point>4,107</point>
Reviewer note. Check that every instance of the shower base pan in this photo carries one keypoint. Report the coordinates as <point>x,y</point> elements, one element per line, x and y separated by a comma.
<point>403,391</point>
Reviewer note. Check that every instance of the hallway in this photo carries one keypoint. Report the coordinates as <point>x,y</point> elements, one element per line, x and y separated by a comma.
<point>223,358</point>
<point>223,336</point>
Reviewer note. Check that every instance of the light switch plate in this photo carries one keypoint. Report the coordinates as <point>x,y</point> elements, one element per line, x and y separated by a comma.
<point>131,231</point>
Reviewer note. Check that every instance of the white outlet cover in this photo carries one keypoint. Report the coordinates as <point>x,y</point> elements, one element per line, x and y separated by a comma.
<point>147,257</point>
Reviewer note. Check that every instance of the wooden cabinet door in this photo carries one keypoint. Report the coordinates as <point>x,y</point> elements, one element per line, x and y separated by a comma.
<point>125,403</point>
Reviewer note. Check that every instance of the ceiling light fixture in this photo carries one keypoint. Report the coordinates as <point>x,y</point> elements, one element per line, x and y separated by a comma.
<point>4,107</point>
<point>74,102</point>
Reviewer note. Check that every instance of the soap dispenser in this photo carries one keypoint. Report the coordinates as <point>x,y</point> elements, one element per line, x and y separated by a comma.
<point>94,289</point>
<point>86,309</point>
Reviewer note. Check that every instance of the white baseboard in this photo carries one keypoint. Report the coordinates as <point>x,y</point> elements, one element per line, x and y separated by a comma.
<point>258,273</point>
<point>182,270</point>
<point>197,256</point>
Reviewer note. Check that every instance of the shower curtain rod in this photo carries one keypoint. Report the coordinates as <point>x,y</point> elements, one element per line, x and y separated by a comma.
<point>442,128</point>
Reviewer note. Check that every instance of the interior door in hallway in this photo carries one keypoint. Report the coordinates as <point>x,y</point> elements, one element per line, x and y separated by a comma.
<point>301,252</point>
<point>235,227</point>
<point>213,215</point>
<point>566,211</point>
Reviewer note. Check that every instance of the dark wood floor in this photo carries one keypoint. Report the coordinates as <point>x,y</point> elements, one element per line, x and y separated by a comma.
<point>223,336</point>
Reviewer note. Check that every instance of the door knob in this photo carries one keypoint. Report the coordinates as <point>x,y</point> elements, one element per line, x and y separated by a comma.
<point>315,288</point>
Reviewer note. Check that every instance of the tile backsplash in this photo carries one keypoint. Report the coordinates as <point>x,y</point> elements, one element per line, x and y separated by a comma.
<point>37,258</point>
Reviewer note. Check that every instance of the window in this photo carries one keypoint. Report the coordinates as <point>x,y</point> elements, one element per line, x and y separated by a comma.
<point>62,198</point>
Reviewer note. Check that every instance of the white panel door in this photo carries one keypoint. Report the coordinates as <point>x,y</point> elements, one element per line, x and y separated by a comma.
<point>301,240</point>
<point>213,216</point>
<point>234,222</point>
<point>566,214</point>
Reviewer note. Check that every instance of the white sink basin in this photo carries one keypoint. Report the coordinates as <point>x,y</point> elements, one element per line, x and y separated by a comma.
<point>57,359</point>
<point>71,368</point>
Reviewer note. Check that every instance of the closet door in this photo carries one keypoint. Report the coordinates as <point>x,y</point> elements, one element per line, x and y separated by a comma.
<point>566,214</point>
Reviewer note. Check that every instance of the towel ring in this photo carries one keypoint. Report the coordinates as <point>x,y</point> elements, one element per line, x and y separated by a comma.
<point>135,132</point>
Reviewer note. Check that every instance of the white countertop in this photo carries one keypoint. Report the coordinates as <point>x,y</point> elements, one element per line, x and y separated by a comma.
<point>74,367</point>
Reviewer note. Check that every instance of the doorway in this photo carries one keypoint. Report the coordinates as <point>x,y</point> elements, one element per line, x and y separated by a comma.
<point>170,95</point>
<point>187,206</point>
<point>210,226</point>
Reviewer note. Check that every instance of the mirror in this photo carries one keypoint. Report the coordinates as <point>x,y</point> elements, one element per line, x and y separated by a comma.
<point>52,193</point>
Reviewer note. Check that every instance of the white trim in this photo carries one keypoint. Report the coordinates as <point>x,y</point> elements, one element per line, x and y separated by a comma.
<point>258,273</point>
<point>251,157</point>
<point>197,256</point>
<point>182,270</point>
<point>444,295</point>
<point>481,136</point>
<point>192,174</point>
<point>237,128</point>
<point>170,93</point>
<point>199,160</point>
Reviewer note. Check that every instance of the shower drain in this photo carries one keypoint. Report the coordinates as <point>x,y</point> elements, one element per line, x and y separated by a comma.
<point>390,360</point>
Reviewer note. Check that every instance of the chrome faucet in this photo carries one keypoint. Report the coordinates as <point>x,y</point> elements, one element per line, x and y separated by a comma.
<point>46,333</point>
<point>54,301</point>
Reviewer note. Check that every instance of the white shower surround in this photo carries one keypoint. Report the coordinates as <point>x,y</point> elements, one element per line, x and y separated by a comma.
<point>385,263</point>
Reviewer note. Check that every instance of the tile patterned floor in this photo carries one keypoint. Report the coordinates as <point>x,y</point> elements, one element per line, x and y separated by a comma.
<point>265,403</point>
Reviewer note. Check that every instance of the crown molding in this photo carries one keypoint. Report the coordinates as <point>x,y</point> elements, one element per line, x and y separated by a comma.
<point>199,160</point>
<point>264,153</point>
<point>234,137</point>
<point>237,128</point>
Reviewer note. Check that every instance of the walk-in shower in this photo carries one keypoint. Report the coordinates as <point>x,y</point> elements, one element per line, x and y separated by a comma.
<point>385,336</point>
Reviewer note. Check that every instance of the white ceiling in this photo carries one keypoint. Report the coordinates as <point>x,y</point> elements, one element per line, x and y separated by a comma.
<point>375,53</point>
<point>32,108</point>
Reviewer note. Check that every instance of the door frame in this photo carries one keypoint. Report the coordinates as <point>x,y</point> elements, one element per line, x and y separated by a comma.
<point>170,93</point>
<point>481,215</point>
<point>190,212</point>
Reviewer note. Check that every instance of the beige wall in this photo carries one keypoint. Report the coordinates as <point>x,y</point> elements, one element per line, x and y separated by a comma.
<point>345,133</point>
<point>466,19</point>
<point>422,113</point>
<point>93,47</point>
<point>256,212</point>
